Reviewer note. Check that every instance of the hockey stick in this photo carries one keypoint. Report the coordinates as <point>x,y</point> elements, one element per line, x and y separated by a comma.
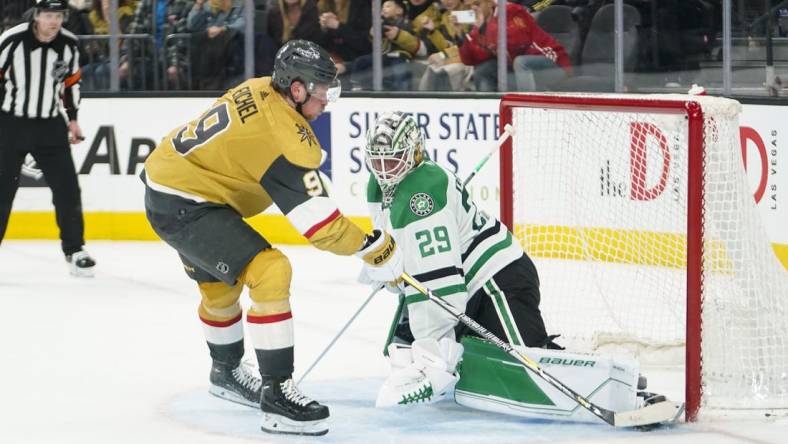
<point>508,131</point>
<point>656,413</point>
<point>347,324</point>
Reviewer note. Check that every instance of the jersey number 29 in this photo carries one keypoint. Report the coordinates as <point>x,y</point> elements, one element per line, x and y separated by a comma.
<point>429,241</point>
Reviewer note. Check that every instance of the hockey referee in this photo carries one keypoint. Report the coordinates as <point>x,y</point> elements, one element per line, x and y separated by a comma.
<point>39,78</point>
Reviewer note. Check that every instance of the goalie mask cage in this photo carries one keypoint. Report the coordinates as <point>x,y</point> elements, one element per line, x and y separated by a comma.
<point>637,211</point>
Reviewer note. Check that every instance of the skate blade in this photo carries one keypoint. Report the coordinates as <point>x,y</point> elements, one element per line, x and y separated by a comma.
<point>221,392</point>
<point>665,412</point>
<point>279,424</point>
<point>82,272</point>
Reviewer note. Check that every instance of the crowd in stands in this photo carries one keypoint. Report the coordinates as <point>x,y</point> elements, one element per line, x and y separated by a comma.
<point>427,45</point>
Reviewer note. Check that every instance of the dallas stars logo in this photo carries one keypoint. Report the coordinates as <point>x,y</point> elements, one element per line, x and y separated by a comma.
<point>305,134</point>
<point>421,204</point>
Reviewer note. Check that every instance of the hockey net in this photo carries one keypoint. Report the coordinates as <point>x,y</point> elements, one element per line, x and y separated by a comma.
<point>638,214</point>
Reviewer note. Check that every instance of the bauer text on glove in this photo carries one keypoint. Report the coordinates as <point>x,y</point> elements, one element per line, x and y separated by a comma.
<point>382,258</point>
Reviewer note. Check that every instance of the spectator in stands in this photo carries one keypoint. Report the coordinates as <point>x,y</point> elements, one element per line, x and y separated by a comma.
<point>167,19</point>
<point>99,16</point>
<point>400,45</point>
<point>445,70</point>
<point>344,28</point>
<point>417,11</point>
<point>539,5</point>
<point>219,28</point>
<point>294,19</point>
<point>10,15</point>
<point>95,74</point>
<point>536,58</point>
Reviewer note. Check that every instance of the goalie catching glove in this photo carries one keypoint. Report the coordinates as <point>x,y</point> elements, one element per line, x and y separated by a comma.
<point>422,373</point>
<point>382,258</point>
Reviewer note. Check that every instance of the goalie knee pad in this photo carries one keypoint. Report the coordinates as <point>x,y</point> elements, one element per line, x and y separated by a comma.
<point>268,277</point>
<point>400,356</point>
<point>438,361</point>
<point>422,373</point>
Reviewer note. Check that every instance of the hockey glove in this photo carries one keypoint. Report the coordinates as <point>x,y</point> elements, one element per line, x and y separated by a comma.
<point>382,258</point>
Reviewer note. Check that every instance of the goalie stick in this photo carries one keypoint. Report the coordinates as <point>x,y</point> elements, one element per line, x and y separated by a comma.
<point>657,413</point>
<point>508,131</point>
<point>336,337</point>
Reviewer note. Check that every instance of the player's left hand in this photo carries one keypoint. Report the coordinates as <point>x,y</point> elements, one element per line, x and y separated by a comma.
<point>75,132</point>
<point>382,258</point>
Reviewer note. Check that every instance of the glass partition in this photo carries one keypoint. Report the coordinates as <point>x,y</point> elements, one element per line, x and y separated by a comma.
<point>759,47</point>
<point>731,47</point>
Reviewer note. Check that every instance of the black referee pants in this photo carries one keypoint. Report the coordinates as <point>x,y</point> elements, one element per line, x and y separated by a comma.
<point>47,141</point>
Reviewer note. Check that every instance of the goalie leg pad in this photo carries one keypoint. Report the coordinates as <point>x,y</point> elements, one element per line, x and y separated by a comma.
<point>423,373</point>
<point>492,380</point>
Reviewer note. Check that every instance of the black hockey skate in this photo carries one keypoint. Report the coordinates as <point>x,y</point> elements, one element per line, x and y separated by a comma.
<point>651,398</point>
<point>236,384</point>
<point>80,264</point>
<point>286,410</point>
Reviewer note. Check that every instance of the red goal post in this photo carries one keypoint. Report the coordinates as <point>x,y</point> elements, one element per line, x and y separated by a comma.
<point>634,205</point>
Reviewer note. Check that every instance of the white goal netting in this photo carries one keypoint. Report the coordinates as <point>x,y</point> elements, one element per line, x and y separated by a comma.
<point>600,203</point>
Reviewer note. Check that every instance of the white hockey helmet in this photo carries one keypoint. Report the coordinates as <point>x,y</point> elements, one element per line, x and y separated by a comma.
<point>395,145</point>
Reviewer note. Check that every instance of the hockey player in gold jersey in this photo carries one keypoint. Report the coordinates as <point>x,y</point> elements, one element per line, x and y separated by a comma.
<point>254,148</point>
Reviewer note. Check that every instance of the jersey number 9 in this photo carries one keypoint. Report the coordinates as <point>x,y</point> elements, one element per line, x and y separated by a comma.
<point>313,184</point>
<point>209,126</point>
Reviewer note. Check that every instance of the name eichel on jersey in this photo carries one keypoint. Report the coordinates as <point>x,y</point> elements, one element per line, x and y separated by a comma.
<point>35,76</point>
<point>244,103</point>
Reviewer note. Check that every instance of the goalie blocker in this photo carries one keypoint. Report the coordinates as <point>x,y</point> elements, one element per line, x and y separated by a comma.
<point>492,380</point>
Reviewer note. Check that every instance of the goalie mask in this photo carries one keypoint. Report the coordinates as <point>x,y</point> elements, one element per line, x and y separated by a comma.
<point>394,147</point>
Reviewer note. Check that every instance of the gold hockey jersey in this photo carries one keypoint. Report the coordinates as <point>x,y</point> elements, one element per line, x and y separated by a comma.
<point>249,151</point>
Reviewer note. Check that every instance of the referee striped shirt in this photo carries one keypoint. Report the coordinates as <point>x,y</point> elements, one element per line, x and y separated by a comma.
<point>36,78</point>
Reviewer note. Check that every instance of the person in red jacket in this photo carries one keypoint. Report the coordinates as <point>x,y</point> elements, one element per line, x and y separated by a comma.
<point>536,60</point>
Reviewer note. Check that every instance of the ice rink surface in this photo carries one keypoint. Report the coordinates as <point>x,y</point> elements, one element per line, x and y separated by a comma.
<point>120,358</point>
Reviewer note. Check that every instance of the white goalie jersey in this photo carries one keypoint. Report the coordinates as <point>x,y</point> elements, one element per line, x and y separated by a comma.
<point>449,245</point>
